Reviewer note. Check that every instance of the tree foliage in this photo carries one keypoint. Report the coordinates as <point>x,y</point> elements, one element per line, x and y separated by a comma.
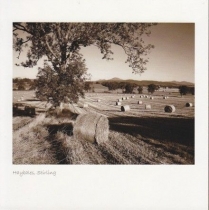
<point>140,89</point>
<point>59,86</point>
<point>87,86</point>
<point>183,90</point>
<point>21,87</point>
<point>130,87</point>
<point>152,88</point>
<point>192,90</point>
<point>60,44</point>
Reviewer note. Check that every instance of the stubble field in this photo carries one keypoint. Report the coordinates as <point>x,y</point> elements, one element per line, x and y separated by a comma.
<point>138,136</point>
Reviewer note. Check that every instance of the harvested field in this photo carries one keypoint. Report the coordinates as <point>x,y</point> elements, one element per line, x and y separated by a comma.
<point>139,136</point>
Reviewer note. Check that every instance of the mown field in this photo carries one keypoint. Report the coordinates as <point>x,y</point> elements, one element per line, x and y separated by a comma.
<point>138,136</point>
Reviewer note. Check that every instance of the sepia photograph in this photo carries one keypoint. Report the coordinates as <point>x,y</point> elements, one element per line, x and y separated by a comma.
<point>104,105</point>
<point>103,93</point>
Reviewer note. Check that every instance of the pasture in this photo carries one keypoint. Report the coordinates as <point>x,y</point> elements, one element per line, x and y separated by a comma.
<point>137,136</point>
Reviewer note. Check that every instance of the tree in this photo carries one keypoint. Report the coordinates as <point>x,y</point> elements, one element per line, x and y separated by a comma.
<point>122,86</point>
<point>152,88</point>
<point>60,44</point>
<point>87,86</point>
<point>32,85</point>
<point>21,87</point>
<point>192,90</point>
<point>60,86</point>
<point>130,87</point>
<point>140,89</point>
<point>183,90</point>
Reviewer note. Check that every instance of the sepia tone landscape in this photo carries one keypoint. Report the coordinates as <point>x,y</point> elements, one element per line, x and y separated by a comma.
<point>138,136</point>
<point>63,117</point>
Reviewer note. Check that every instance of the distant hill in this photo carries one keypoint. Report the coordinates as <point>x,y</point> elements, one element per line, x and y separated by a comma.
<point>147,82</point>
<point>115,78</point>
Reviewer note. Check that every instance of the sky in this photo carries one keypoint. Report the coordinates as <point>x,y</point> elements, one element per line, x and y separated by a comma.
<point>171,59</point>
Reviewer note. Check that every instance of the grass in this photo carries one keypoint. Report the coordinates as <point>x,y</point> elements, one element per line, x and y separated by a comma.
<point>136,137</point>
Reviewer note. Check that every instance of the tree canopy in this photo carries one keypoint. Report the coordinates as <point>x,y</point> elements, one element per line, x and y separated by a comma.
<point>152,88</point>
<point>183,90</point>
<point>60,44</point>
<point>140,89</point>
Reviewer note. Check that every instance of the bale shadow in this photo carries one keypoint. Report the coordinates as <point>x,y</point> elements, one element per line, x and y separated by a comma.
<point>66,128</point>
<point>178,130</point>
<point>107,110</point>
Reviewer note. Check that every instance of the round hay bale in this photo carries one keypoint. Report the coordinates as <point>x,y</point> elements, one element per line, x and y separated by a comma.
<point>98,100</point>
<point>151,98</point>
<point>123,98</point>
<point>118,103</point>
<point>91,127</point>
<point>189,105</point>
<point>119,100</point>
<point>164,97</point>
<point>125,108</point>
<point>139,102</point>
<point>127,98</point>
<point>169,108</point>
<point>148,106</point>
<point>132,96</point>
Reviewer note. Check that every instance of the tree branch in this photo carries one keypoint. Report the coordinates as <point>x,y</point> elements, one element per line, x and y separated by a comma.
<point>49,48</point>
<point>18,26</point>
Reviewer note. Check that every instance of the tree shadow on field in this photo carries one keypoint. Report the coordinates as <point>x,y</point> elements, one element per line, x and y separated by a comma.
<point>33,99</point>
<point>21,113</point>
<point>178,130</point>
<point>66,128</point>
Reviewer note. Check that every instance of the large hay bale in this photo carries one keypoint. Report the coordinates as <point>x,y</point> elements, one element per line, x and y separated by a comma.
<point>151,97</point>
<point>119,100</point>
<point>118,103</point>
<point>98,100</point>
<point>139,102</point>
<point>132,96</point>
<point>123,98</point>
<point>125,108</point>
<point>127,98</point>
<point>164,97</point>
<point>169,108</point>
<point>148,106</point>
<point>189,105</point>
<point>91,127</point>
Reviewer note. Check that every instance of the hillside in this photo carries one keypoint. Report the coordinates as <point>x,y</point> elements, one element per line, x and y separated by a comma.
<point>147,82</point>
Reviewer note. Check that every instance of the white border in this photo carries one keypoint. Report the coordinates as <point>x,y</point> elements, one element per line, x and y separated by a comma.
<point>106,187</point>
